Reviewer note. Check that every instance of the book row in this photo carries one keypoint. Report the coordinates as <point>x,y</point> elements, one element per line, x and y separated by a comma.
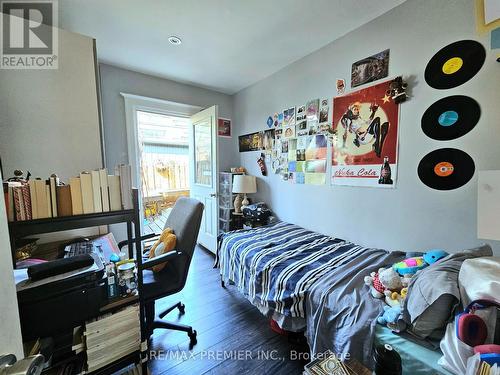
<point>90,192</point>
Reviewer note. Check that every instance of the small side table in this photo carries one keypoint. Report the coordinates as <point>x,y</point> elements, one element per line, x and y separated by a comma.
<point>241,222</point>
<point>238,220</point>
<point>249,224</point>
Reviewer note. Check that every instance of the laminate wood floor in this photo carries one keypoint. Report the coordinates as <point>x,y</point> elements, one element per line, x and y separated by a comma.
<point>233,336</point>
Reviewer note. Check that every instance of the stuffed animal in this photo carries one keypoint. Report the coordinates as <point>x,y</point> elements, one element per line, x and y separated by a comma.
<point>389,315</point>
<point>410,266</point>
<point>163,245</point>
<point>384,279</point>
<point>397,90</point>
<point>395,298</point>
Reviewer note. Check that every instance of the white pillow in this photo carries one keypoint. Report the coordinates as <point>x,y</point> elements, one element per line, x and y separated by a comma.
<point>479,278</point>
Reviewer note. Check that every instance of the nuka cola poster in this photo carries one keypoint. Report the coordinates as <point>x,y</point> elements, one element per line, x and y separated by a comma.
<point>365,142</point>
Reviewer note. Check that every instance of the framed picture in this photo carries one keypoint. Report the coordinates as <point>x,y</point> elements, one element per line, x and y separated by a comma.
<point>370,69</point>
<point>365,150</point>
<point>224,127</point>
<point>251,142</point>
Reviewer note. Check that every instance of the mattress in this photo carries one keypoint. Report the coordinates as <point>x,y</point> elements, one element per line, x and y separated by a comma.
<point>416,359</point>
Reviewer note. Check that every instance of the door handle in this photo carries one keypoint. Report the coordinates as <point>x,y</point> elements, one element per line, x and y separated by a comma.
<point>213,195</point>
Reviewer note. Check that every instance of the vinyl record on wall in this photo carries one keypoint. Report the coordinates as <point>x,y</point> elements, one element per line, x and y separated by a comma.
<point>446,169</point>
<point>455,64</point>
<point>451,117</point>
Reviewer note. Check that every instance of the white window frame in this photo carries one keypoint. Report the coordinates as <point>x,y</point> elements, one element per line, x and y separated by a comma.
<point>134,103</point>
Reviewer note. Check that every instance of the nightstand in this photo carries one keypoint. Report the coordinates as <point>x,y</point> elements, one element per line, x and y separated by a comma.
<point>249,223</point>
<point>237,220</point>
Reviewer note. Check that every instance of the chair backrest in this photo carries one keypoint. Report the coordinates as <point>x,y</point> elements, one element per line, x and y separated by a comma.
<point>185,220</point>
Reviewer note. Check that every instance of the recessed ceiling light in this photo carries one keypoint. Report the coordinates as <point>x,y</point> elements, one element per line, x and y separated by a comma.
<point>175,40</point>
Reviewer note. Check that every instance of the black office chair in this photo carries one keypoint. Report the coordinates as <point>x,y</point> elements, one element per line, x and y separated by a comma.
<point>185,221</point>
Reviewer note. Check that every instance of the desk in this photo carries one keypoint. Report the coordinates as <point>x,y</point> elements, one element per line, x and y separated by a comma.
<point>119,303</point>
<point>109,246</point>
<point>61,319</point>
<point>132,218</point>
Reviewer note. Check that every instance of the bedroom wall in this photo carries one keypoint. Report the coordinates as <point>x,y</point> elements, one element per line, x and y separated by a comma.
<point>412,216</point>
<point>48,113</point>
<point>49,119</point>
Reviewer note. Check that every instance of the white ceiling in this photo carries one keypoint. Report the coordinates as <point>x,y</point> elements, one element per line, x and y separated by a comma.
<point>227,45</point>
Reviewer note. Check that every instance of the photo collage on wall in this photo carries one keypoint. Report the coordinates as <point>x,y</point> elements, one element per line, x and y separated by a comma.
<point>300,148</point>
<point>360,128</point>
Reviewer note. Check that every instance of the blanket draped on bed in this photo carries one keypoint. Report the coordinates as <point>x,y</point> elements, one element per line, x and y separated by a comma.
<point>275,265</point>
<point>292,274</point>
<point>342,313</point>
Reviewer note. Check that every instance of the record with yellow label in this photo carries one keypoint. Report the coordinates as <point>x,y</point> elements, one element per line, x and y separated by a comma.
<point>455,64</point>
<point>446,169</point>
<point>451,117</point>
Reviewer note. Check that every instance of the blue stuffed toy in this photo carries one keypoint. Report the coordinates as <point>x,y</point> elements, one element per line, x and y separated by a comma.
<point>389,315</point>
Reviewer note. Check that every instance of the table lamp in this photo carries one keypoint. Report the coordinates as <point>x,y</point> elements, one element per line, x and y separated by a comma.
<point>488,205</point>
<point>243,184</point>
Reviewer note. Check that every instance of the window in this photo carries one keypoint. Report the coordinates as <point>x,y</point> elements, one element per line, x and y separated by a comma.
<point>164,153</point>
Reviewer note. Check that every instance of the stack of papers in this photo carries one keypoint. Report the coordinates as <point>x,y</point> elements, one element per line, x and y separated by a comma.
<point>112,336</point>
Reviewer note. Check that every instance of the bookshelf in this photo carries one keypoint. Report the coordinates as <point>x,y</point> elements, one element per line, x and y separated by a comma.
<point>56,224</point>
<point>22,229</point>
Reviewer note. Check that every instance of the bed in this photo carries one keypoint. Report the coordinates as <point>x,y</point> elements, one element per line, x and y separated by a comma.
<point>276,266</point>
<point>310,282</point>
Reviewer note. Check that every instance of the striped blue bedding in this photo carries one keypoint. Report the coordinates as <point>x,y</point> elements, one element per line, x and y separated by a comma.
<point>276,265</point>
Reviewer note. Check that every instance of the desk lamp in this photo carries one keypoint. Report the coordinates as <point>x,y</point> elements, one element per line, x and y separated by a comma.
<point>243,184</point>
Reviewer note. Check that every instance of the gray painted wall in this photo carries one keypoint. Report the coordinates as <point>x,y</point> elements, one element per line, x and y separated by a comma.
<point>49,120</point>
<point>115,80</point>
<point>411,217</point>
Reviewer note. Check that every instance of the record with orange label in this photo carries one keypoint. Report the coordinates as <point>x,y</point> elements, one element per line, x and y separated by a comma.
<point>455,64</point>
<point>451,117</point>
<point>446,169</point>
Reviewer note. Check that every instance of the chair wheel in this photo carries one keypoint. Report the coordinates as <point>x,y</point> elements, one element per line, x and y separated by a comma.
<point>192,337</point>
<point>182,309</point>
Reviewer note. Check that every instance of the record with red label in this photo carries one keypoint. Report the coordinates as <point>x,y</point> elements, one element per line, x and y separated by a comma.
<point>455,64</point>
<point>451,117</point>
<point>446,169</point>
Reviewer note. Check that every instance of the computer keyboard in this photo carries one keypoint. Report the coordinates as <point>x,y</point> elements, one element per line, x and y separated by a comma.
<point>85,247</point>
<point>78,248</point>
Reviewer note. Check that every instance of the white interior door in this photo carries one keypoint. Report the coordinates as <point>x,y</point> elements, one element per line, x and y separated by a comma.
<point>204,181</point>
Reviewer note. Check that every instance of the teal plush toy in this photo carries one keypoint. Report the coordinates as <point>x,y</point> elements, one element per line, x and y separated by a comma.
<point>389,315</point>
<point>410,266</point>
<point>433,256</point>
